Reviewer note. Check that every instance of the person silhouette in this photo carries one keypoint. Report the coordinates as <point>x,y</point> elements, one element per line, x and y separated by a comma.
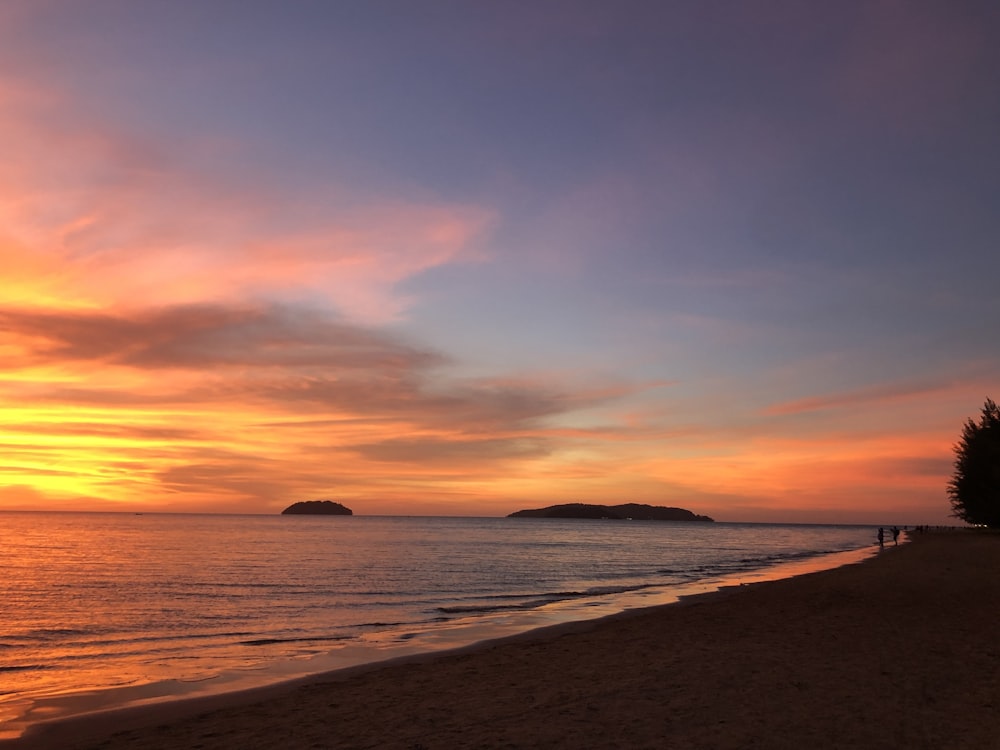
<point>881,537</point>
<point>895,535</point>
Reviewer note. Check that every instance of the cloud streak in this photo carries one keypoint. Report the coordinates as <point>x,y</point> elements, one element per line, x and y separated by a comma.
<point>876,394</point>
<point>206,336</point>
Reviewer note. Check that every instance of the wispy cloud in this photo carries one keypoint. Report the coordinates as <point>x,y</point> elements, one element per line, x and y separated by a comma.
<point>879,393</point>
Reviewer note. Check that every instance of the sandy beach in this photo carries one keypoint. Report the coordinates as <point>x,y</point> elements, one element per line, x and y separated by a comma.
<point>899,651</point>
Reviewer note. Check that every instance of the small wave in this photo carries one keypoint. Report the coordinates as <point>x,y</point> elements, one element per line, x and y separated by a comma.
<point>534,601</point>
<point>50,633</point>
<point>612,590</point>
<point>297,639</point>
<point>481,609</point>
<point>777,557</point>
<point>25,668</point>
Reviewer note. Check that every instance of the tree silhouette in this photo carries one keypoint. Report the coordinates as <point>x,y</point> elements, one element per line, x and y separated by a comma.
<point>974,488</point>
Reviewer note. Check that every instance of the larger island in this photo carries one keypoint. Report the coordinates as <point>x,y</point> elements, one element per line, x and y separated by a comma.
<point>317,508</point>
<point>629,511</point>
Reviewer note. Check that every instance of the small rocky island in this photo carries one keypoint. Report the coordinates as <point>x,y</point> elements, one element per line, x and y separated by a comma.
<point>627,511</point>
<point>317,508</point>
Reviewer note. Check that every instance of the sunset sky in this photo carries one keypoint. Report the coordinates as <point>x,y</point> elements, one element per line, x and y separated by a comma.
<point>465,257</point>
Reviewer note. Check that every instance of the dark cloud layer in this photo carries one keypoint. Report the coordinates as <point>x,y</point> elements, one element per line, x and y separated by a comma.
<point>208,336</point>
<point>299,358</point>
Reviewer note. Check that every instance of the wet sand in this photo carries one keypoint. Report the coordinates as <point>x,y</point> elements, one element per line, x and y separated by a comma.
<point>898,651</point>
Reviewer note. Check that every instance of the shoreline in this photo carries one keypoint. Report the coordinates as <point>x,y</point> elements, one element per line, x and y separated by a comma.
<point>164,630</point>
<point>895,651</point>
<point>459,637</point>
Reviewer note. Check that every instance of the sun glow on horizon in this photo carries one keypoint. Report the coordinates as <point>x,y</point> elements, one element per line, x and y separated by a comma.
<point>259,422</point>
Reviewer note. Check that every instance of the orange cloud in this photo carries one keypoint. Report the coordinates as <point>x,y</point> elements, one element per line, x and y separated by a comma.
<point>96,218</point>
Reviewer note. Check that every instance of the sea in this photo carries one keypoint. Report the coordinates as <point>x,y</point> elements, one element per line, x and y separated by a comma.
<point>106,610</point>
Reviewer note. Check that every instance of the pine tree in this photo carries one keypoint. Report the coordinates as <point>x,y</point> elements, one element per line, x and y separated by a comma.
<point>974,489</point>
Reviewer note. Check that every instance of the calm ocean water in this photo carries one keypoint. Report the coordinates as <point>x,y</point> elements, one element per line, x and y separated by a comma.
<point>106,609</point>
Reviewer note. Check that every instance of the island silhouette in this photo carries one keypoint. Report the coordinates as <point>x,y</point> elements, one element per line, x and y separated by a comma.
<point>629,511</point>
<point>317,508</point>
